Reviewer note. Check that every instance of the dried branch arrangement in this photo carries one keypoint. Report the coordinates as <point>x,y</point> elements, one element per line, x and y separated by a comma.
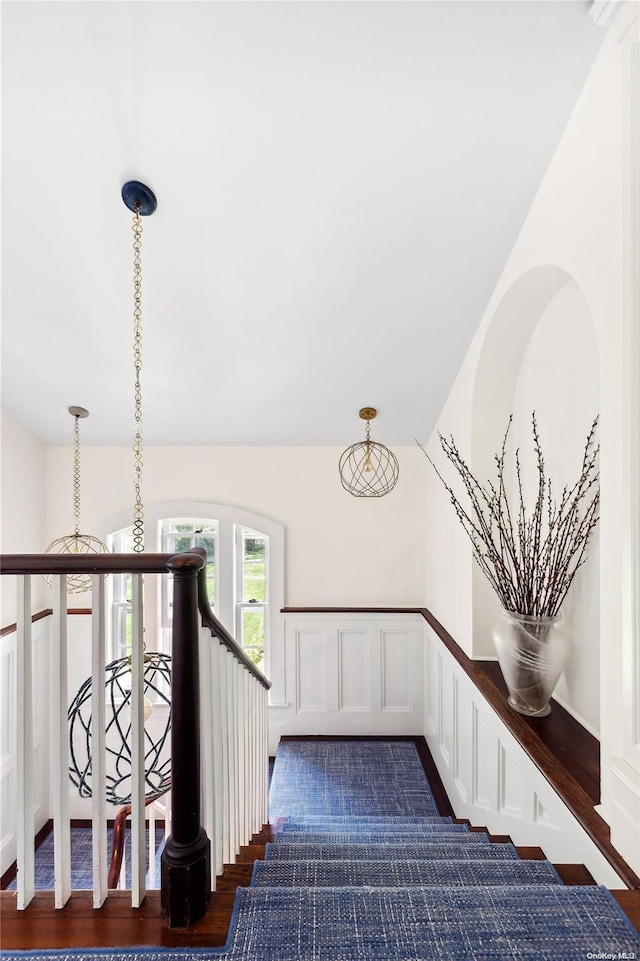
<point>530,558</point>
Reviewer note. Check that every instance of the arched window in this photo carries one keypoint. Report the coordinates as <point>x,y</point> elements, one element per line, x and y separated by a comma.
<point>245,573</point>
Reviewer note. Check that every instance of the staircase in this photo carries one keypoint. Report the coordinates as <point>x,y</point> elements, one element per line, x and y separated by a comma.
<point>365,868</point>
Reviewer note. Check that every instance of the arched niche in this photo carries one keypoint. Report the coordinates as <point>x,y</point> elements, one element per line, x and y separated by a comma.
<point>541,353</point>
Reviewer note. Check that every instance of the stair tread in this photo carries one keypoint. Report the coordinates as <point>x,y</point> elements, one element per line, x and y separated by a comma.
<point>391,873</point>
<point>360,819</point>
<point>381,837</point>
<point>406,827</point>
<point>375,852</point>
<point>523,922</point>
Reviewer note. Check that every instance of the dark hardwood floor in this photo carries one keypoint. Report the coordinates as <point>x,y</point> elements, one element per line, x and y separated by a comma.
<point>116,923</point>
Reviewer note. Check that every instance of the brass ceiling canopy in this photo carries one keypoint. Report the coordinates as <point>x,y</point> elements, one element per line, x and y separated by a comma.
<point>368,469</point>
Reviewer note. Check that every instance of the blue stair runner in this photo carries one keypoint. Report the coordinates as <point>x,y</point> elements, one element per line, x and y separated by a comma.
<point>364,869</point>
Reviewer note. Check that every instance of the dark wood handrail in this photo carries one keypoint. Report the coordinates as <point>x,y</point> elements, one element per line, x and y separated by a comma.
<point>219,630</point>
<point>85,563</point>
<point>142,563</point>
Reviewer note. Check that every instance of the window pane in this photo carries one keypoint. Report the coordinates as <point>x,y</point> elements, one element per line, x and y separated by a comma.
<point>254,583</point>
<point>209,544</point>
<point>176,545</point>
<point>254,548</point>
<point>211,585</point>
<point>253,627</point>
<point>253,635</point>
<point>253,568</point>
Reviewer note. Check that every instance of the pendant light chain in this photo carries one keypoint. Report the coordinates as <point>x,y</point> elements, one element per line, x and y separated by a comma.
<point>76,543</point>
<point>138,509</point>
<point>367,466</point>
<point>76,473</point>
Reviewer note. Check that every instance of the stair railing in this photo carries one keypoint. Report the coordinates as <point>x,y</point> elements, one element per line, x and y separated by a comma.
<point>235,746</point>
<point>219,756</point>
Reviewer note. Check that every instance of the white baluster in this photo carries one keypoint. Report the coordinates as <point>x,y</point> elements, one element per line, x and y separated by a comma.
<point>217,842</point>
<point>251,686</point>
<point>242,755</point>
<point>206,743</point>
<point>257,689</point>
<point>251,807</point>
<point>138,889</point>
<point>264,750</point>
<point>152,845</point>
<point>60,745</point>
<point>226,752</point>
<point>122,877</point>
<point>98,741</point>
<point>237,669</point>
<point>233,755</point>
<point>25,827</point>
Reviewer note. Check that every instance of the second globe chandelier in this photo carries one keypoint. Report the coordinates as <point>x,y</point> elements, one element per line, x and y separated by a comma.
<point>368,469</point>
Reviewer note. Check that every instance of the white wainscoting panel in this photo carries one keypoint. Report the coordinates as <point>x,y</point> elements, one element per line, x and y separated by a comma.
<point>396,670</point>
<point>311,674</point>
<point>354,682</point>
<point>41,724</point>
<point>348,673</point>
<point>488,776</point>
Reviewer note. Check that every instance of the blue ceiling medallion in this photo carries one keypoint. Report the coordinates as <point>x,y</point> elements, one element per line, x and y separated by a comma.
<point>134,193</point>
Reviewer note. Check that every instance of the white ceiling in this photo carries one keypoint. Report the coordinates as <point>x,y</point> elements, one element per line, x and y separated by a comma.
<point>339,185</point>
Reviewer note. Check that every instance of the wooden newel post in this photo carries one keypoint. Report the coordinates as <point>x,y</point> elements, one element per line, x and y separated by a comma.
<point>185,873</point>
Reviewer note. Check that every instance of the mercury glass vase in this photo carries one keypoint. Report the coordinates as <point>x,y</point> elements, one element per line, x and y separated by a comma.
<point>531,652</point>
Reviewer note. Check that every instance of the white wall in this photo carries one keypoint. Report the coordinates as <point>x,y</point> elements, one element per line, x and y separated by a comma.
<point>340,550</point>
<point>574,235</point>
<point>23,508</point>
<point>569,238</point>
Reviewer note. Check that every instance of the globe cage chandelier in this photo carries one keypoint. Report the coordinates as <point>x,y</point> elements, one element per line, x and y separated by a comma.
<point>157,667</point>
<point>76,543</point>
<point>156,679</point>
<point>368,469</point>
